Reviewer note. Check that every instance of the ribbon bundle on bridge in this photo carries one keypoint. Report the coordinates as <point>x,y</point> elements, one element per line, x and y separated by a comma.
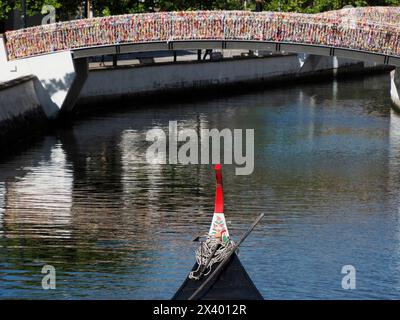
<point>378,15</point>
<point>366,29</point>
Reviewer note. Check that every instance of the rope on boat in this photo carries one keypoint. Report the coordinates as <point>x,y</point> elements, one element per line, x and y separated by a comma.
<point>210,252</point>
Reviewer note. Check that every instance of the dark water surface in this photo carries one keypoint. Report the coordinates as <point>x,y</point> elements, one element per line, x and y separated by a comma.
<point>326,174</point>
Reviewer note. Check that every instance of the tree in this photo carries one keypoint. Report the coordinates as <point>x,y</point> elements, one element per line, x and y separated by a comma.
<point>5,8</point>
<point>64,8</point>
<point>67,9</point>
<point>110,7</point>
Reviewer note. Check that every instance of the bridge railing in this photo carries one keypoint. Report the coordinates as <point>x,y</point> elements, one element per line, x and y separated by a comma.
<point>372,15</point>
<point>322,29</point>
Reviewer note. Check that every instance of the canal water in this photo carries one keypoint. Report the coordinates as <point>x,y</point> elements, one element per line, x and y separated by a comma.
<point>327,160</point>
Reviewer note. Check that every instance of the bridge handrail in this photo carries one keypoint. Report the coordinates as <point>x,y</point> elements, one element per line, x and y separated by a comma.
<point>327,29</point>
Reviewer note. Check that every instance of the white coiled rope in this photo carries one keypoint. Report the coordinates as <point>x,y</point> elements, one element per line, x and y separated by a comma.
<point>211,247</point>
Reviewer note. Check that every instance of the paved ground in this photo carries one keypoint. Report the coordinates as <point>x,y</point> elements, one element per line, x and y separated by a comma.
<point>159,57</point>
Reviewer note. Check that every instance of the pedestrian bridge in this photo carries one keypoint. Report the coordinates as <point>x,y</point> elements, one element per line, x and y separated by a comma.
<point>368,34</point>
<point>57,53</point>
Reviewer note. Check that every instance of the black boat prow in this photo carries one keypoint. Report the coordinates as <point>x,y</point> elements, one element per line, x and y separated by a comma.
<point>227,279</point>
<point>232,283</point>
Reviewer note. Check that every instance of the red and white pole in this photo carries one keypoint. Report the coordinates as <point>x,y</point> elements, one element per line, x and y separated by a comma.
<point>218,227</point>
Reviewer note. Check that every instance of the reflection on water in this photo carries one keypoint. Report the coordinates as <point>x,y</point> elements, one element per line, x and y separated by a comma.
<point>326,175</point>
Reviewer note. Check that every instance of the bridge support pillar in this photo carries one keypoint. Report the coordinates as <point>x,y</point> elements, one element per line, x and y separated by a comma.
<point>60,77</point>
<point>311,63</point>
<point>395,88</point>
<point>81,73</point>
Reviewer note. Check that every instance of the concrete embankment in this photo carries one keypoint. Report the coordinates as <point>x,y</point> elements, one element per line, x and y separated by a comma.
<point>21,112</point>
<point>123,83</point>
